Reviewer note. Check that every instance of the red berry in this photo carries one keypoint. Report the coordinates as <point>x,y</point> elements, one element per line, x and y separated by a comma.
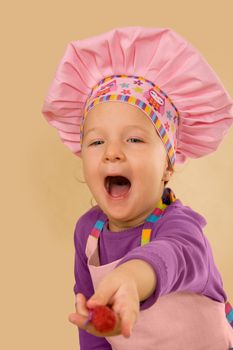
<point>103,318</point>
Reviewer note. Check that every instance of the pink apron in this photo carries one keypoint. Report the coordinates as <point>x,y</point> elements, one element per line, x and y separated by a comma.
<point>177,321</point>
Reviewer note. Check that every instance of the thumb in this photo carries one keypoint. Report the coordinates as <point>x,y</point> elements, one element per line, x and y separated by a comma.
<point>99,298</point>
<point>102,296</point>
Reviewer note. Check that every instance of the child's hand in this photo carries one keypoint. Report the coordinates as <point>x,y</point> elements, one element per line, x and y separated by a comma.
<point>82,320</point>
<point>117,289</point>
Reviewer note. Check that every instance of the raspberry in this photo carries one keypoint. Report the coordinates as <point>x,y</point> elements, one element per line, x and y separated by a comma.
<point>103,318</point>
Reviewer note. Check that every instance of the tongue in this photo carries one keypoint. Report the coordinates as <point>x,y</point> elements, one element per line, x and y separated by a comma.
<point>118,190</point>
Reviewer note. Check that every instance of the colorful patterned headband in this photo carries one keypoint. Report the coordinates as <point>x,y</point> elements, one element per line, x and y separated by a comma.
<point>145,95</point>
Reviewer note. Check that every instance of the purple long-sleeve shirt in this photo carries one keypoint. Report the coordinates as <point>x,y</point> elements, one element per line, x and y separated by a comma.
<point>178,251</point>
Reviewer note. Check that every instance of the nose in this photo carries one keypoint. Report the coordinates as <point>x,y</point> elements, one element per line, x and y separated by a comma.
<point>113,153</point>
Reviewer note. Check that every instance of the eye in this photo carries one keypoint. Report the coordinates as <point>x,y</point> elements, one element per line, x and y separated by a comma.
<point>96,143</point>
<point>135,140</point>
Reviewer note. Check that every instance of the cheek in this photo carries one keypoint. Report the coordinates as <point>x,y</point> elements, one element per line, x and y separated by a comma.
<point>87,167</point>
<point>159,158</point>
<point>149,170</point>
<point>143,174</point>
<point>90,172</point>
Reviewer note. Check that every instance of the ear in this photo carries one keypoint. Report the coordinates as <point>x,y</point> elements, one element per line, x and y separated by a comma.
<point>168,172</point>
<point>167,175</point>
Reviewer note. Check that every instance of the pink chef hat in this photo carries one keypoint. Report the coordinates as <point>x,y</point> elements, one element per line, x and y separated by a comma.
<point>153,69</point>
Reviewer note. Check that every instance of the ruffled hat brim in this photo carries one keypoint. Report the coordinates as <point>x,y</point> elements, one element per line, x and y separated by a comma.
<point>157,54</point>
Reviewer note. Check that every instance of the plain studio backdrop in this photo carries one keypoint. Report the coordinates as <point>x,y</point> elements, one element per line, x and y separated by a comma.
<point>41,195</point>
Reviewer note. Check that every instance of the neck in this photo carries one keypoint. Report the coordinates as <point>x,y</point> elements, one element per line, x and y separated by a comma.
<point>117,226</point>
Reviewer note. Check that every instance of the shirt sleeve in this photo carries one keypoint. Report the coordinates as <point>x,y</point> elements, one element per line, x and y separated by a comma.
<point>83,284</point>
<point>181,258</point>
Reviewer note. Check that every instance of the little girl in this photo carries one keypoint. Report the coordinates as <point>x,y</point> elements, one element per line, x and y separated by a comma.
<point>133,103</point>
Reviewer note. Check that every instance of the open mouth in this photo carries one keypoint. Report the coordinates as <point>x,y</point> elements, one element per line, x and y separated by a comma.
<point>117,186</point>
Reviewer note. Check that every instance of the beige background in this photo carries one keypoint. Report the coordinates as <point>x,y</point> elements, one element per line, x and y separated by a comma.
<point>42,197</point>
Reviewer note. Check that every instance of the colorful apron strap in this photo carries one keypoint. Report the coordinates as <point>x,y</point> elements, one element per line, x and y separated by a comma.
<point>95,232</point>
<point>229,313</point>
<point>167,198</point>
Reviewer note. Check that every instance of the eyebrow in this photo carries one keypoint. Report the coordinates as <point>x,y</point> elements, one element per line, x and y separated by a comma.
<point>127,127</point>
<point>91,130</point>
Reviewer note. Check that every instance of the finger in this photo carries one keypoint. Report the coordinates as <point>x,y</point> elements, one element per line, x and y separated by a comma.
<point>78,320</point>
<point>126,329</point>
<point>128,320</point>
<point>80,305</point>
<point>128,313</point>
<point>98,298</point>
<point>104,293</point>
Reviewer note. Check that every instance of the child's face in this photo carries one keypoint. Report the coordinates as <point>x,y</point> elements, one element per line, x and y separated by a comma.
<point>120,140</point>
